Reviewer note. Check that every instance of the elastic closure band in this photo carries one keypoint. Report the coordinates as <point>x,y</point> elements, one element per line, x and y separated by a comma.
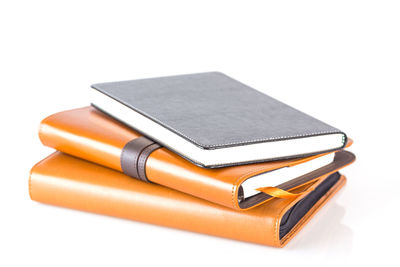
<point>134,156</point>
<point>143,159</point>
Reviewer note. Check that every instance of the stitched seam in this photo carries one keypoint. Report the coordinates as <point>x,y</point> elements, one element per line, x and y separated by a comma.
<point>137,162</point>
<point>236,143</point>
<point>141,163</point>
<point>232,143</point>
<point>98,87</point>
<point>266,139</point>
<point>236,184</point>
<point>135,159</point>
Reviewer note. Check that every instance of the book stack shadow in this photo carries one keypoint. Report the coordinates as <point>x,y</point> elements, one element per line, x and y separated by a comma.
<point>199,152</point>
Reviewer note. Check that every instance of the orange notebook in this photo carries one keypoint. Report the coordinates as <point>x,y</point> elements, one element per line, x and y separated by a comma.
<point>70,182</point>
<point>91,135</point>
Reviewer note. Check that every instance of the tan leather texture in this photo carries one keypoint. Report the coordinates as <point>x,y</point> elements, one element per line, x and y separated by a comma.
<point>67,181</point>
<point>91,135</point>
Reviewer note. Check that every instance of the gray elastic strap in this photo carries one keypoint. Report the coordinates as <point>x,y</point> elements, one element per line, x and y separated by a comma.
<point>133,163</point>
<point>143,159</point>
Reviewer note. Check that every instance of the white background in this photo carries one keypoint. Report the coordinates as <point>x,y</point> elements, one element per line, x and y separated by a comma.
<point>336,60</point>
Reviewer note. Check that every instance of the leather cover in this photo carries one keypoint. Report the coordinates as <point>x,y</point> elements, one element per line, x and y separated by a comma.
<point>67,181</point>
<point>91,135</point>
<point>229,112</point>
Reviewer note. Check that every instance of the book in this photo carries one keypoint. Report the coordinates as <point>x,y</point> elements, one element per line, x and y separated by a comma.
<point>214,120</point>
<point>92,135</point>
<point>70,182</point>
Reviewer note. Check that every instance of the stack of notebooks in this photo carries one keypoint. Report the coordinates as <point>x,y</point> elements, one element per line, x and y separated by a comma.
<point>199,152</point>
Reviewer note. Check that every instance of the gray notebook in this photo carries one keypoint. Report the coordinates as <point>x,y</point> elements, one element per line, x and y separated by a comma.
<point>214,120</point>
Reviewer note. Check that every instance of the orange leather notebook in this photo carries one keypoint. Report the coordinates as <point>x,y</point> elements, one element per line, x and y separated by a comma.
<point>70,182</point>
<point>91,135</point>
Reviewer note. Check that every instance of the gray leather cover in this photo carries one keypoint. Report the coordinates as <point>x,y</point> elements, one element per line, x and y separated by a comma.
<point>213,110</point>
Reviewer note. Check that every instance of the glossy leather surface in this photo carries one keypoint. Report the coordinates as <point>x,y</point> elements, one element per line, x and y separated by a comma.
<point>89,134</point>
<point>73,183</point>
